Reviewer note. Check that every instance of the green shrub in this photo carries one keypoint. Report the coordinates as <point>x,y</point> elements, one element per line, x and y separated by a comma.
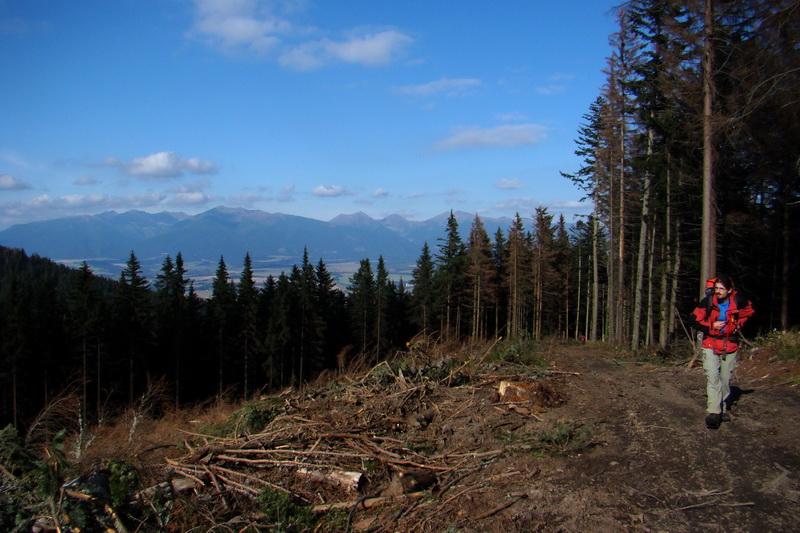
<point>562,439</point>
<point>252,418</point>
<point>283,515</point>
<point>123,480</point>
<point>523,351</point>
<point>784,344</point>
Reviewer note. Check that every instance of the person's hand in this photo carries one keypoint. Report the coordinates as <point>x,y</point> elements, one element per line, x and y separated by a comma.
<point>718,325</point>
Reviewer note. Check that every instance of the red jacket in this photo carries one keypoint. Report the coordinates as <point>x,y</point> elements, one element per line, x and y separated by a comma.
<point>707,312</point>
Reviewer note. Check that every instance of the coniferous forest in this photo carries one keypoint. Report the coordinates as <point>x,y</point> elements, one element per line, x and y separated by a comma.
<point>690,157</point>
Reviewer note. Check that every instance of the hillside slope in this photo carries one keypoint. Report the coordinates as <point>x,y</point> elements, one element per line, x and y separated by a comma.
<point>593,443</point>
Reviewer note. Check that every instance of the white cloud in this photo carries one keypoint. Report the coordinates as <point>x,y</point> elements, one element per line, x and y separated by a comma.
<point>508,184</point>
<point>10,183</point>
<point>286,194</point>
<point>189,198</point>
<point>507,136</point>
<point>13,158</point>
<point>264,28</point>
<point>380,193</point>
<point>511,117</point>
<point>330,191</point>
<point>198,186</point>
<point>550,89</point>
<point>371,49</point>
<point>571,204</point>
<point>446,86</point>
<point>522,205</point>
<point>86,180</point>
<point>45,207</point>
<point>163,165</point>
<point>232,24</point>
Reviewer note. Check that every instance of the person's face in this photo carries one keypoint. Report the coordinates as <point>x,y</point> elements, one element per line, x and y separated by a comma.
<point>721,292</point>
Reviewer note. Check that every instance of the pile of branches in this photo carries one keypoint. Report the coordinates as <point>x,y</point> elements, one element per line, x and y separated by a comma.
<point>396,447</point>
<point>357,447</point>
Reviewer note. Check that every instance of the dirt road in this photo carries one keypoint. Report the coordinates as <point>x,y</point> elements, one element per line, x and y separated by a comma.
<point>649,463</point>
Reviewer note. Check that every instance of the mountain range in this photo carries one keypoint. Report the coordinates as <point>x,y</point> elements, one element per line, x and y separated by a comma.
<point>274,241</point>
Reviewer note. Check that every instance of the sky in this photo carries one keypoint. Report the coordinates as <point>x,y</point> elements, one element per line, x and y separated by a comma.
<point>312,108</point>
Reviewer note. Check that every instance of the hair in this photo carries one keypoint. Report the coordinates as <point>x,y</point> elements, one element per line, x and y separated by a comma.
<point>725,280</point>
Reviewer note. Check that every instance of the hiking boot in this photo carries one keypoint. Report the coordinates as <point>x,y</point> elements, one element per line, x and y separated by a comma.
<point>713,420</point>
<point>725,417</point>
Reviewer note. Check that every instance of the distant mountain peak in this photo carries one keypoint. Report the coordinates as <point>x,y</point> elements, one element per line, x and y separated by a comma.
<point>358,218</point>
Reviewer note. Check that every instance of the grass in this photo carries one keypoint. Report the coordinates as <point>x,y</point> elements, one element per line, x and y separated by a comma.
<point>785,345</point>
<point>524,351</point>
<point>561,439</point>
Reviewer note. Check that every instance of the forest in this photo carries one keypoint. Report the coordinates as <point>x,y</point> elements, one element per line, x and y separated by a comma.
<point>690,159</point>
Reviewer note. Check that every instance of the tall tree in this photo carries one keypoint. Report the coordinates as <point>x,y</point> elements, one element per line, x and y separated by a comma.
<point>481,277</point>
<point>85,317</point>
<point>362,306</point>
<point>449,278</point>
<point>247,299</point>
<point>517,276</point>
<point>134,312</point>
<point>223,313</point>
<point>423,299</point>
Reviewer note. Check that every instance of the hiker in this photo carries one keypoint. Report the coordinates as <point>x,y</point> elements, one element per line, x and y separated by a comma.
<point>720,316</point>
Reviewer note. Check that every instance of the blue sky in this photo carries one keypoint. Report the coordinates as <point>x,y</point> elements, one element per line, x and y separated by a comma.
<point>311,108</point>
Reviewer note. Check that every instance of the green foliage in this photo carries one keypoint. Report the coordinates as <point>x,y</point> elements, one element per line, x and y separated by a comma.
<point>282,514</point>
<point>51,469</point>
<point>123,480</point>
<point>252,418</point>
<point>561,439</point>
<point>13,455</point>
<point>522,351</point>
<point>334,521</point>
<point>785,345</point>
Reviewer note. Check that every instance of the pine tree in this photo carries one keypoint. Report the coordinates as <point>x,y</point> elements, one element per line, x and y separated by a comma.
<point>423,297</point>
<point>247,300</point>
<point>85,316</point>
<point>134,314</point>
<point>384,294</point>
<point>449,279</point>
<point>223,311</point>
<point>517,276</point>
<point>481,278</point>
<point>362,306</point>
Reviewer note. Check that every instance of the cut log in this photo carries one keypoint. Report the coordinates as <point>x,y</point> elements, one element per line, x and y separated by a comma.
<point>340,478</point>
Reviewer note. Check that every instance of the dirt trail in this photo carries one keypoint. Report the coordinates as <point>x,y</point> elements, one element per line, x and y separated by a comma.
<point>651,464</point>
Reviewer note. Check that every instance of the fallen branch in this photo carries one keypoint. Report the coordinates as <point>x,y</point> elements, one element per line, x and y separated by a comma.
<point>367,503</point>
<point>517,497</point>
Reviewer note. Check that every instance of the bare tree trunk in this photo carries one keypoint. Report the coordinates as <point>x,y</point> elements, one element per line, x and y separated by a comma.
<point>676,269</point>
<point>643,234</point>
<point>578,298</point>
<point>665,310</point>
<point>785,261</point>
<point>595,275</point>
<point>651,255</point>
<point>708,258</point>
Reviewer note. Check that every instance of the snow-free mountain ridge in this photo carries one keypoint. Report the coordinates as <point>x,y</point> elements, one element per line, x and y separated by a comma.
<point>275,241</point>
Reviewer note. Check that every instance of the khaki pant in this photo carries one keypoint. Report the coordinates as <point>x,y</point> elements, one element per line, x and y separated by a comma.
<point>718,369</point>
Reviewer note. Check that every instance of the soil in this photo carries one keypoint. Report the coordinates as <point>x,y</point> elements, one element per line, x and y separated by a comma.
<point>598,443</point>
<point>654,466</point>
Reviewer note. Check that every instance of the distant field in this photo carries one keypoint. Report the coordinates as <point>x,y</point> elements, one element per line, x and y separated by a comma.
<point>203,271</point>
